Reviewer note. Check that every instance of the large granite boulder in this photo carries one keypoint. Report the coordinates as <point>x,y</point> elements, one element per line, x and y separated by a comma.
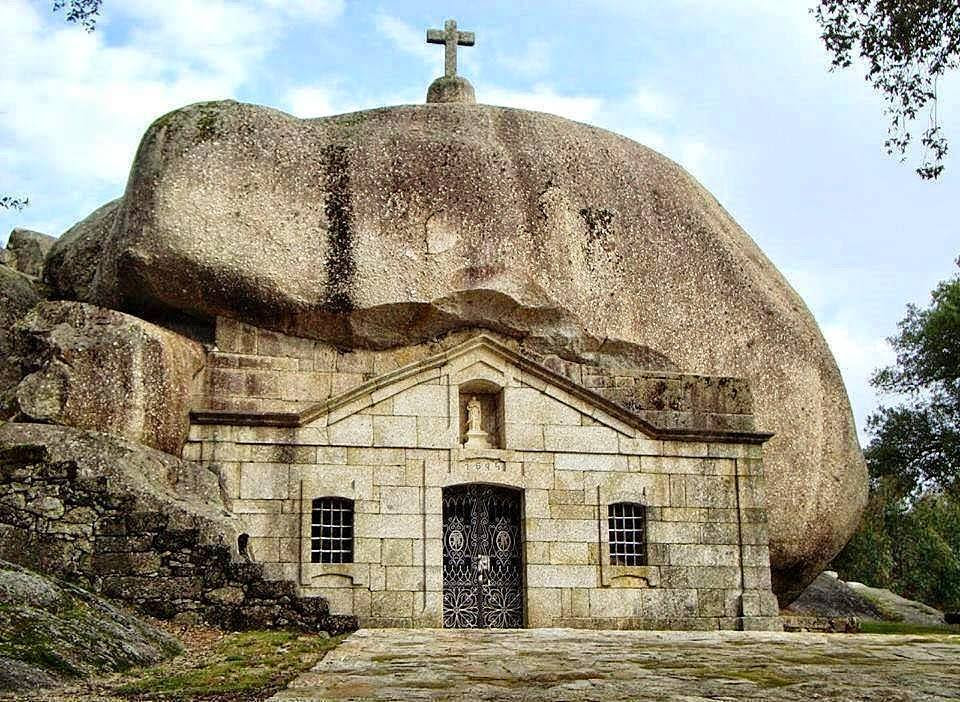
<point>26,251</point>
<point>99,369</point>
<point>390,226</point>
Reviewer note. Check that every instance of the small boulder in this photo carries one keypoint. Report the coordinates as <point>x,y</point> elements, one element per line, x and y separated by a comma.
<point>898,608</point>
<point>829,597</point>
<point>26,251</point>
<point>51,632</point>
<point>72,262</point>
<point>102,370</point>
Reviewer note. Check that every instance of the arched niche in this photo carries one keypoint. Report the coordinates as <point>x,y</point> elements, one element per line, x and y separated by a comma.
<point>486,398</point>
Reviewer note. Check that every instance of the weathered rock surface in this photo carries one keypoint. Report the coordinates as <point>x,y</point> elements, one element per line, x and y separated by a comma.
<point>58,486</point>
<point>829,597</point>
<point>395,225</point>
<point>574,665</point>
<point>72,262</point>
<point>51,631</point>
<point>140,526</point>
<point>18,295</point>
<point>99,369</point>
<point>899,608</point>
<point>26,251</point>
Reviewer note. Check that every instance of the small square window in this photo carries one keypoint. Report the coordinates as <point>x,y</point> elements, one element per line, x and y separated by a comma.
<point>331,530</point>
<point>628,533</point>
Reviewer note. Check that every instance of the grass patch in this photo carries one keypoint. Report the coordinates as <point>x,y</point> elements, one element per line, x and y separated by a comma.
<point>239,663</point>
<point>874,627</point>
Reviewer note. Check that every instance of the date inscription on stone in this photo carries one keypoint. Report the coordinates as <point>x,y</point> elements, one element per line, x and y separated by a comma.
<point>483,466</point>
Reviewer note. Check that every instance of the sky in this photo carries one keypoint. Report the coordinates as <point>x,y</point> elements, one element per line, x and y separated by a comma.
<point>739,92</point>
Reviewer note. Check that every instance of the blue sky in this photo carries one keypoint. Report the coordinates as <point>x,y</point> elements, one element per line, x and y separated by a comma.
<point>737,91</point>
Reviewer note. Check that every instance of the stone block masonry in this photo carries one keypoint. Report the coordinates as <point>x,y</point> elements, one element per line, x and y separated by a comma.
<point>93,509</point>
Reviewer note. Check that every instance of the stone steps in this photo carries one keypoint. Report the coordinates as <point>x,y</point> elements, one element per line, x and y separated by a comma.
<point>66,511</point>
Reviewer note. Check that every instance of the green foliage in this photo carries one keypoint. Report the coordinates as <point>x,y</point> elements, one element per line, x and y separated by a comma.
<point>912,548</point>
<point>868,557</point>
<point>8,202</point>
<point>909,539</point>
<point>917,442</point>
<point>907,46</point>
<point>82,12</point>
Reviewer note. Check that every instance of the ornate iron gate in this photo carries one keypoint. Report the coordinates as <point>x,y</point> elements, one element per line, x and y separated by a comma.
<point>482,565</point>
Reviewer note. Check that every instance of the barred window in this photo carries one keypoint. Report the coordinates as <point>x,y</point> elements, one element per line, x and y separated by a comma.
<point>628,533</point>
<point>331,530</point>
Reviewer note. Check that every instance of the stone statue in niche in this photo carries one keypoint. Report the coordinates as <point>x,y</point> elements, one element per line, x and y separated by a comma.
<point>476,436</point>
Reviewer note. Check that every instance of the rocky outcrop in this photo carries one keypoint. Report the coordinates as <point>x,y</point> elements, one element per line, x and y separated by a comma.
<point>72,261</point>
<point>18,295</point>
<point>26,251</point>
<point>51,631</point>
<point>393,226</point>
<point>137,525</point>
<point>99,369</point>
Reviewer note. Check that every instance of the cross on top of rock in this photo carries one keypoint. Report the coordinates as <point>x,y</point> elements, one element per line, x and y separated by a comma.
<point>451,38</point>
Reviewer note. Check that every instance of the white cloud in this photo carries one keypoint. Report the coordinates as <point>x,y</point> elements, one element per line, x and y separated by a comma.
<point>651,103</point>
<point>533,62</point>
<point>322,11</point>
<point>858,355</point>
<point>405,37</point>
<point>310,101</point>
<point>321,100</point>
<point>702,161</point>
<point>543,98</point>
<point>82,103</point>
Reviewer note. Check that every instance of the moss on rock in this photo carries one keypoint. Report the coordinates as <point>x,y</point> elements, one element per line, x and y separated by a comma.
<point>52,631</point>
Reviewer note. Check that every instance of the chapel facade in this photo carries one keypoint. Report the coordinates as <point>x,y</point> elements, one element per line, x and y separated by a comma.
<point>474,482</point>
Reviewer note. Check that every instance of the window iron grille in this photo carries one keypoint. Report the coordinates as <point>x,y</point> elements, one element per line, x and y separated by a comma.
<point>331,530</point>
<point>628,533</point>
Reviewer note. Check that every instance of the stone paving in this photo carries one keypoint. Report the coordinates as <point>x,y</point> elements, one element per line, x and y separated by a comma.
<point>568,664</point>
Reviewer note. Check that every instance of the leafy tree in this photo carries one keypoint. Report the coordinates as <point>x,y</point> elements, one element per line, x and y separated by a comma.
<point>909,538</point>
<point>908,45</point>
<point>917,442</point>
<point>8,202</point>
<point>82,12</point>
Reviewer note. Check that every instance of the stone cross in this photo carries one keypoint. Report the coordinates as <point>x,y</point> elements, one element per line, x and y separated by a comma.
<point>450,37</point>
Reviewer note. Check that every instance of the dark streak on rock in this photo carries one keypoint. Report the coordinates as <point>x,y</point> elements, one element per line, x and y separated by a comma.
<point>599,225</point>
<point>340,264</point>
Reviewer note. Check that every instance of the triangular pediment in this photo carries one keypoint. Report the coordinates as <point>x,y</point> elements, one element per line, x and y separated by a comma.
<point>481,361</point>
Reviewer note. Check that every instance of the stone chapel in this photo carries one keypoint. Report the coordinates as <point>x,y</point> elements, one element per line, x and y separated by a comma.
<point>466,484</point>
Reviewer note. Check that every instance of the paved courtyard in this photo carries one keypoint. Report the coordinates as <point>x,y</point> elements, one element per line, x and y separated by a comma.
<point>566,664</point>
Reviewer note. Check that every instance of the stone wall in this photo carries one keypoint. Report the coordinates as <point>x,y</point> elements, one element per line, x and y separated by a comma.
<point>257,370</point>
<point>393,444</point>
<point>96,509</point>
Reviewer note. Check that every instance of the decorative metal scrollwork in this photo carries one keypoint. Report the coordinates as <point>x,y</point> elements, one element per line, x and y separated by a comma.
<point>482,564</point>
